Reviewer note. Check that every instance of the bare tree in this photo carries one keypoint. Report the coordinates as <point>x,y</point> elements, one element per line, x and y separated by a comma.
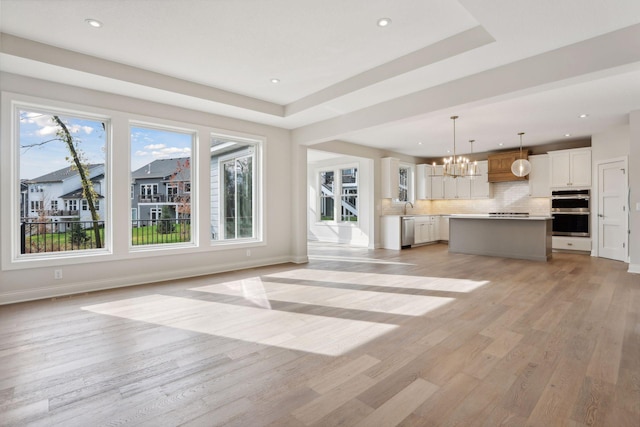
<point>88,191</point>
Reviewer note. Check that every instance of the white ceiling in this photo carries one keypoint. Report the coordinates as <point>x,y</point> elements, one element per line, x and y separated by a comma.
<point>503,66</point>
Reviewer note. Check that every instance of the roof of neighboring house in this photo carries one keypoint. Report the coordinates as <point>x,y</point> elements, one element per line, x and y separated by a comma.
<point>163,169</point>
<point>77,193</point>
<point>62,174</point>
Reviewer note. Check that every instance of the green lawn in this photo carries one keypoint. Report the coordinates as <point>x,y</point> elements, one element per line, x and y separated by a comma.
<point>55,242</point>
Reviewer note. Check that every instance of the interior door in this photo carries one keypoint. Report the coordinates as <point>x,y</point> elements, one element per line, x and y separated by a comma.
<point>612,210</point>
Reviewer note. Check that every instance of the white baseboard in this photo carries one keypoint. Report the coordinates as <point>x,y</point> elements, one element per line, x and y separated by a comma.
<point>141,279</point>
<point>634,268</point>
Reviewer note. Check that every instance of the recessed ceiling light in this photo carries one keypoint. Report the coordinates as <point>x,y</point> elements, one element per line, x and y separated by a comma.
<point>383,22</point>
<point>419,143</point>
<point>93,23</point>
<point>567,134</point>
<point>274,81</point>
<point>501,144</point>
<point>583,116</point>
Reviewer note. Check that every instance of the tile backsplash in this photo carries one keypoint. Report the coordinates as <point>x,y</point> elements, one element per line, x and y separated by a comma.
<point>507,197</point>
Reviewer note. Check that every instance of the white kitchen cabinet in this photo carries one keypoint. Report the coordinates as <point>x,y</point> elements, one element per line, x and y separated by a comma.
<point>539,185</point>
<point>443,228</point>
<point>390,229</point>
<point>389,177</point>
<point>423,181</point>
<point>570,168</point>
<point>480,185</point>
<point>457,188</point>
<point>425,229</point>
<point>437,185</point>
<point>571,243</point>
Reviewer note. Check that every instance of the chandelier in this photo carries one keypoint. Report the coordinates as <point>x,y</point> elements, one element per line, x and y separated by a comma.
<point>521,167</point>
<point>458,166</point>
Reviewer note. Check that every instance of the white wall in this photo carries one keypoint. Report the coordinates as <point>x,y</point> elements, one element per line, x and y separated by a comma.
<point>634,187</point>
<point>611,144</point>
<point>624,141</point>
<point>121,267</point>
<point>358,234</point>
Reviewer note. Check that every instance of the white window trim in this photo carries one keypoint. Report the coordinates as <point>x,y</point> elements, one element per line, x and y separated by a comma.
<point>12,259</point>
<point>162,125</point>
<point>412,183</point>
<point>119,225</point>
<point>259,172</point>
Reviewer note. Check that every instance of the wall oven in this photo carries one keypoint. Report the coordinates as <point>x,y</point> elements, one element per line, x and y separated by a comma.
<point>570,210</point>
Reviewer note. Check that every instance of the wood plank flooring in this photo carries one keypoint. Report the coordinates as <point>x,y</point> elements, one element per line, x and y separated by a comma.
<point>355,337</point>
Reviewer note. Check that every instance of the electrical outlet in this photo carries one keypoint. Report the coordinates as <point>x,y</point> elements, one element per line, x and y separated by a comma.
<point>248,252</point>
<point>57,274</point>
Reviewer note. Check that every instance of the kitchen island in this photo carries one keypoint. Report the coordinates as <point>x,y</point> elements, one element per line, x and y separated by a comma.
<point>508,236</point>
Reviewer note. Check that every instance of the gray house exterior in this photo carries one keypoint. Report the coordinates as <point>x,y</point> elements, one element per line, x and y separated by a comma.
<point>57,197</point>
<point>163,183</point>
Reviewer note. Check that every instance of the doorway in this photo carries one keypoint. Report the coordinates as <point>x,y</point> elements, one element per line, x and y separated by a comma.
<point>612,210</point>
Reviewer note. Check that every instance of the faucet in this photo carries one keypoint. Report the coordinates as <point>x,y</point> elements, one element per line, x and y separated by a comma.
<point>405,207</point>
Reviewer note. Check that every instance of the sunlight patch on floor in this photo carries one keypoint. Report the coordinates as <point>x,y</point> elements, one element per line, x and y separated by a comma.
<point>260,293</point>
<point>314,334</point>
<point>358,260</point>
<point>445,284</point>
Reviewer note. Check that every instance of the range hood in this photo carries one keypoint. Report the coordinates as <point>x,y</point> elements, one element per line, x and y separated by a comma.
<point>500,166</point>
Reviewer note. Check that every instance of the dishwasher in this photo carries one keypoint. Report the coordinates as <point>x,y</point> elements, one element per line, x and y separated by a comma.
<point>407,232</point>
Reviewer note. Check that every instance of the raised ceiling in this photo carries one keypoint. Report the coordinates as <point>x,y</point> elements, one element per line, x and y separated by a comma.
<point>503,66</point>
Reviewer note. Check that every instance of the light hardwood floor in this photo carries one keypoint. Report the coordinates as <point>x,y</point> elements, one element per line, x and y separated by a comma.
<point>356,338</point>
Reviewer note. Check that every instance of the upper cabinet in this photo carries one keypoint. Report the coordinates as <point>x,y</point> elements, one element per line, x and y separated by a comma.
<point>437,183</point>
<point>480,185</point>
<point>457,188</point>
<point>390,178</point>
<point>423,182</point>
<point>500,166</point>
<point>432,185</point>
<point>539,177</point>
<point>570,168</point>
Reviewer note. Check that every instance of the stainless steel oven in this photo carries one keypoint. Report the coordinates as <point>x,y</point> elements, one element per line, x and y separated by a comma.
<point>571,212</point>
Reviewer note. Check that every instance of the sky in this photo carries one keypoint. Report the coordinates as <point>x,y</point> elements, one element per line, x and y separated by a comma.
<point>42,153</point>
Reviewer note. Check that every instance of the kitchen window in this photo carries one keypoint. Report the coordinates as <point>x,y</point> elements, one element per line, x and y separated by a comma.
<point>405,183</point>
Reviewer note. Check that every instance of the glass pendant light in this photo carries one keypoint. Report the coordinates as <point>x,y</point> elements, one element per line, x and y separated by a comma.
<point>472,168</point>
<point>521,167</point>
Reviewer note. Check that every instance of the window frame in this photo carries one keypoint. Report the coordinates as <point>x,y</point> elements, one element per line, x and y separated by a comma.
<point>161,125</point>
<point>410,183</point>
<point>337,194</point>
<point>12,104</point>
<point>117,233</point>
<point>258,175</point>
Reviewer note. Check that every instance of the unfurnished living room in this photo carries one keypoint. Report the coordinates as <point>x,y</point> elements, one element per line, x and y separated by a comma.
<point>336,213</point>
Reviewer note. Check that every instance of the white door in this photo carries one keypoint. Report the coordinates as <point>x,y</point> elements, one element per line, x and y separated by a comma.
<point>612,210</point>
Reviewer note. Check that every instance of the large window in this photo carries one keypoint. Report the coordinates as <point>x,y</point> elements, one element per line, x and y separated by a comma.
<point>346,181</point>
<point>161,180</point>
<point>234,189</point>
<point>61,157</point>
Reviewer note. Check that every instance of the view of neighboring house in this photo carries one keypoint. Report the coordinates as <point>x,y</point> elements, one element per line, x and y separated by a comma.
<point>159,184</point>
<point>57,197</point>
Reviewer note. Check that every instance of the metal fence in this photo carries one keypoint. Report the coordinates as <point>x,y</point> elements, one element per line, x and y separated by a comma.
<point>160,231</point>
<point>50,236</point>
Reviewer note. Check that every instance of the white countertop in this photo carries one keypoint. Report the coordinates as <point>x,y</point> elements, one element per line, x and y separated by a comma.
<point>487,216</point>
